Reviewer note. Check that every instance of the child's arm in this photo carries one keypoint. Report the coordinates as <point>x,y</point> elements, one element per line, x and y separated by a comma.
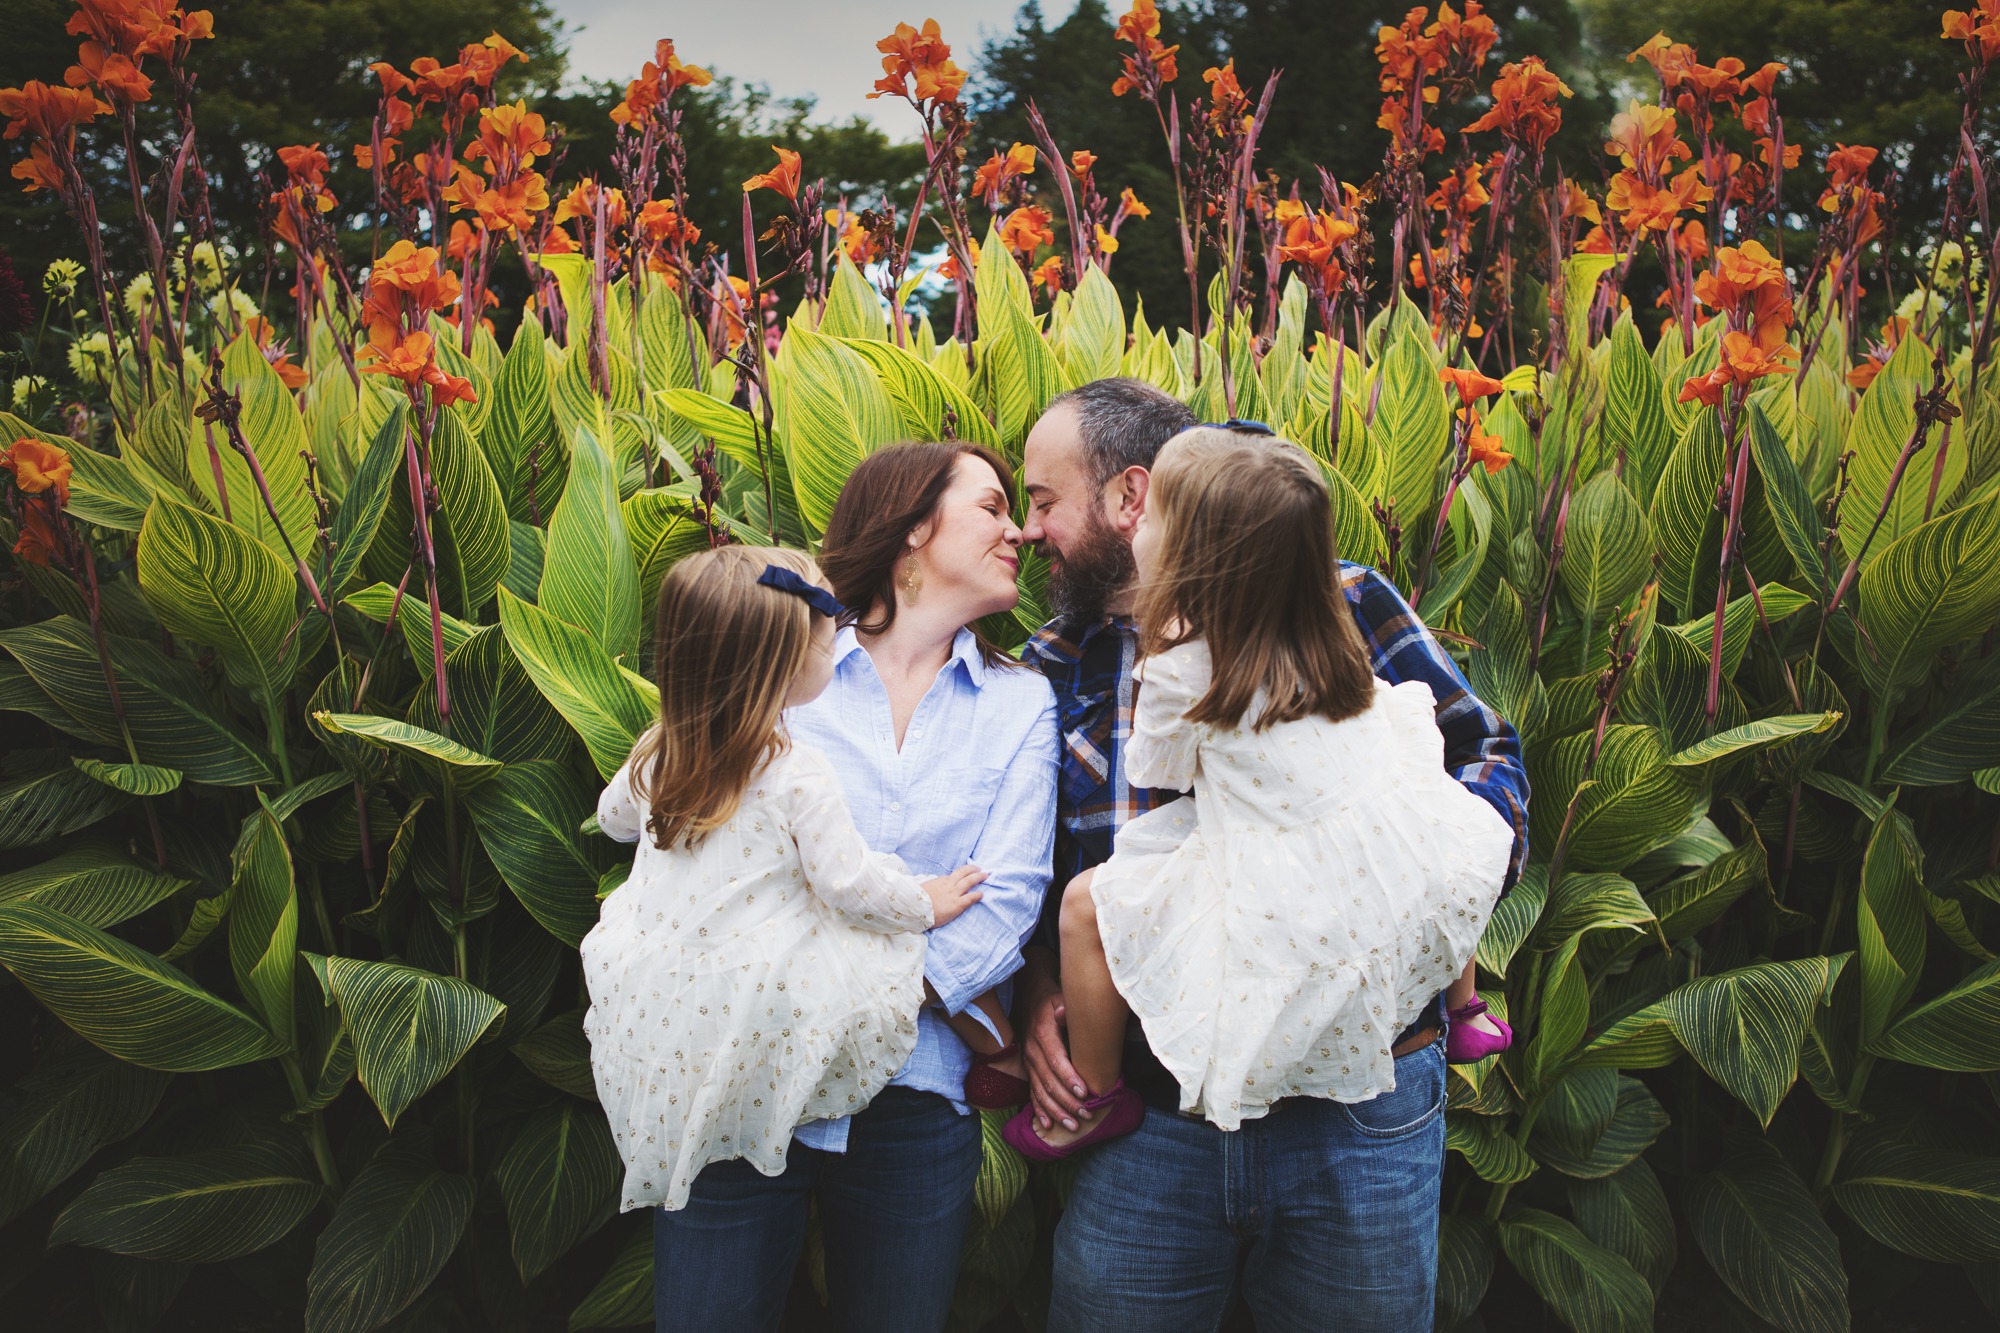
<point>620,813</point>
<point>1164,751</point>
<point>872,890</point>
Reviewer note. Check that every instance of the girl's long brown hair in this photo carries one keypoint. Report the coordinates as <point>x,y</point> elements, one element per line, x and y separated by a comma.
<point>726,653</point>
<point>1246,561</point>
<point>889,494</point>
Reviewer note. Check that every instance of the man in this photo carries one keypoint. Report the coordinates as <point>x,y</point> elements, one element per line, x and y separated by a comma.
<point>1329,1212</point>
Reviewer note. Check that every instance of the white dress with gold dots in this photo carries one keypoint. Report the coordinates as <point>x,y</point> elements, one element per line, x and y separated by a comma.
<point>1277,929</point>
<point>768,976</point>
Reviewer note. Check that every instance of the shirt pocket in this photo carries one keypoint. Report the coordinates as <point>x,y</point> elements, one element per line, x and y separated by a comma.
<point>967,805</point>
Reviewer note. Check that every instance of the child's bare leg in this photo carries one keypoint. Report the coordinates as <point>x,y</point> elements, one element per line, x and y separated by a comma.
<point>1459,994</point>
<point>1095,1012</point>
<point>976,1035</point>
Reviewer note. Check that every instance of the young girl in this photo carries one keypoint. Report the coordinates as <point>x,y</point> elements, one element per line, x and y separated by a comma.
<point>761,967</point>
<point>1276,930</point>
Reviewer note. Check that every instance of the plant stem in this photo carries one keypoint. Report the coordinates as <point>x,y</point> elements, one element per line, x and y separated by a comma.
<point>322,1151</point>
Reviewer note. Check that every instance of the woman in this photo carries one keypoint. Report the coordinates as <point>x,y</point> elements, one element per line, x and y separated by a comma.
<point>946,749</point>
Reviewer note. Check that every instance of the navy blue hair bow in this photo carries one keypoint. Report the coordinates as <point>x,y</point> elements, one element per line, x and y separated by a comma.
<point>1243,425</point>
<point>818,598</point>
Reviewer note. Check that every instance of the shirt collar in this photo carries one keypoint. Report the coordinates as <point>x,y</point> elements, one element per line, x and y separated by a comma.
<point>964,650</point>
<point>1065,641</point>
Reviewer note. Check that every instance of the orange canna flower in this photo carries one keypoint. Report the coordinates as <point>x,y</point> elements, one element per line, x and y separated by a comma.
<point>1670,60</point>
<point>1460,193</point>
<point>510,138</point>
<point>49,113</point>
<point>784,178</point>
<point>949,268</point>
<point>1026,229</point>
<point>512,207</point>
<point>1130,205</point>
<point>1643,138</point>
<point>38,170</point>
<point>1524,104</point>
<point>482,62</point>
<point>855,240</point>
<point>1743,362</point>
<point>924,55</point>
<point>1471,385</point>
<point>1849,166</point>
<point>581,202</point>
<point>998,171</point>
<point>1979,29</point>
<point>660,222</point>
<point>1152,64</point>
<point>41,537</point>
<point>1692,240</point>
<point>38,466</point>
<point>1644,208</point>
<point>1487,451</point>
<point>1049,273</point>
<point>1107,244</point>
<point>305,164</point>
<point>657,81</point>
<point>733,311</point>
<point>111,73</point>
<point>1081,161</point>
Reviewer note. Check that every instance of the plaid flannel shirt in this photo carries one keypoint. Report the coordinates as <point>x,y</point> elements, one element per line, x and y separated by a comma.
<point>1090,667</point>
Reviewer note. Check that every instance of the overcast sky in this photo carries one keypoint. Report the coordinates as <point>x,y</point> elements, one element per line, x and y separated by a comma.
<point>822,48</point>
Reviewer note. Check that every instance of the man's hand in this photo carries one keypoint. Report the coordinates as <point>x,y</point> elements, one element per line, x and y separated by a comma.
<point>1056,1090</point>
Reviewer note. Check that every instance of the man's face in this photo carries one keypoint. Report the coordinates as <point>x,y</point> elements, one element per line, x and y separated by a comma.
<point>1090,562</point>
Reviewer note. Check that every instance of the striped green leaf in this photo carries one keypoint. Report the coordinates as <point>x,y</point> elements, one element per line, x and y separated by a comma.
<point>103,490</point>
<point>495,709</point>
<point>558,1053</point>
<point>171,719</point>
<point>264,921</point>
<point>932,407</point>
<point>123,999</point>
<point>212,584</point>
<point>1958,1030</point>
<point>1021,373</point>
<point>1683,517</point>
<point>623,1297</point>
<point>1093,337</point>
<point>413,617</point>
<point>733,429</point>
<point>391,1234</point>
<point>72,1103</point>
<point>588,577</point>
<point>1003,1173</point>
<point>453,361</point>
<point>520,424</point>
<point>528,816</point>
<point>276,434</point>
<point>1513,920</point>
<point>832,412</point>
<point>559,1182</point>
<point>1636,427</point>
<point>97,886</point>
<point>1590,1288</point>
<point>203,1208</point>
<point>580,680</point>
<point>1890,921</point>
<point>1881,426</point>
<point>1607,551</point>
<point>1493,1154</point>
<point>1413,426</point>
<point>676,352</point>
<point>433,751</point>
<point>1932,587</point>
<point>1626,1212</point>
<point>1467,1247</point>
<point>43,798</point>
<point>1636,1120</point>
<point>664,527</point>
<point>367,499</point>
<point>1956,737</point>
<point>1696,900</point>
<point>1760,1229</point>
<point>1739,621</point>
<point>1633,801</point>
<point>853,306</point>
<point>131,779</point>
<point>1752,736</point>
<point>410,1027</point>
<point>1790,501</point>
<point>1927,1202</point>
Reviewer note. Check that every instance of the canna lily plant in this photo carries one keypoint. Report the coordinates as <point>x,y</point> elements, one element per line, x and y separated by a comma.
<point>327,638</point>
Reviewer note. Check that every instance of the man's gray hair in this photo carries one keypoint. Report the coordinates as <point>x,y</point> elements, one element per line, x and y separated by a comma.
<point>1124,423</point>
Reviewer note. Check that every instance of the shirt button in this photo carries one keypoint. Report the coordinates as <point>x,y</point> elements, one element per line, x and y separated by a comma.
<point>895,805</point>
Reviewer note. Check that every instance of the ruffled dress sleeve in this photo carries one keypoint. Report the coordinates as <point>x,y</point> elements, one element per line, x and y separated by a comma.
<point>619,811</point>
<point>1164,752</point>
<point>868,889</point>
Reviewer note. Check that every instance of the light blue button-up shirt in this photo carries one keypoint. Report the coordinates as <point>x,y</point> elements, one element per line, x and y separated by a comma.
<point>975,782</point>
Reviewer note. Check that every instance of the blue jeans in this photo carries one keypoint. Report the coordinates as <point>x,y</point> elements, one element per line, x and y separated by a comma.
<point>893,1210</point>
<point>1328,1211</point>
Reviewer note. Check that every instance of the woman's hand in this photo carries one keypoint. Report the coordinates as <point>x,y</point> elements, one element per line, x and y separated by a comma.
<point>1056,1089</point>
<point>952,894</point>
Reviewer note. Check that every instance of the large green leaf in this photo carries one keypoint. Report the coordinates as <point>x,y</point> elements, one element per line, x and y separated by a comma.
<point>95,885</point>
<point>1760,1228</point>
<point>579,678</point>
<point>1093,336</point>
<point>528,816</point>
<point>588,578</point>
<point>131,779</point>
<point>1752,736</point>
<point>73,1102</point>
<point>559,1182</point>
<point>1513,920</point>
<point>853,306</point>
<point>495,709</point>
<point>170,716</point>
<point>1937,1205</point>
<point>558,1053</point>
<point>1789,499</point>
<point>264,921</point>
<point>42,798</point>
<point>1632,802</point>
<point>1739,619</point>
<point>1696,900</point>
<point>1607,548</point>
<point>1881,426</point>
<point>391,1234</point>
<point>519,428</point>
<point>664,527</point>
<point>734,430</point>
<point>426,748</point>
<point>410,1026</point>
<point>1626,1212</point>
<point>1636,427</point>
<point>1890,921</point>
<point>1932,587</point>
<point>1954,737</point>
<point>103,490</point>
<point>203,1208</point>
<point>933,408</point>
<point>623,1297</point>
<point>471,524</point>
<point>212,584</point>
<point>1487,1147</point>
<point>1467,1246</point>
<point>1501,675</point>
<point>123,999</point>
<point>1959,1029</point>
<point>276,434</point>
<point>367,500</point>
<point>1636,1120</point>
<point>832,412</point>
<point>1684,519</point>
<point>1414,428</point>
<point>1591,1289</point>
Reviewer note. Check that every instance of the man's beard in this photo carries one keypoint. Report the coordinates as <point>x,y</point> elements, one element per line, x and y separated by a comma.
<point>1090,572</point>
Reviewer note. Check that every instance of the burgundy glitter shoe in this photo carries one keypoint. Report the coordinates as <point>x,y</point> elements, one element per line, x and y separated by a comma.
<point>993,1089</point>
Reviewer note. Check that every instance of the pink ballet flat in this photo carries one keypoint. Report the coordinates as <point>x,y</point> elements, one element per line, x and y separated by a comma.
<point>992,1089</point>
<point>1466,1044</point>
<point>1122,1110</point>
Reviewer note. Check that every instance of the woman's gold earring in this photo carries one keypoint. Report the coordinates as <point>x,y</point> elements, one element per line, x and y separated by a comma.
<point>912,581</point>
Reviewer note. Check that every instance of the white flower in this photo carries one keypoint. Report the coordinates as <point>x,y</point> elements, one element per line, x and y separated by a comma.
<point>139,296</point>
<point>90,356</point>
<point>25,388</point>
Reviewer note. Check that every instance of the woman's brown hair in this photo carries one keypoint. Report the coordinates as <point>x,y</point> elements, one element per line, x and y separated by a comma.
<point>728,650</point>
<point>889,495</point>
<point>1245,560</point>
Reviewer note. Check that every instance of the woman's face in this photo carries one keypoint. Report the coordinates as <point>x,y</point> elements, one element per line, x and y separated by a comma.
<point>969,553</point>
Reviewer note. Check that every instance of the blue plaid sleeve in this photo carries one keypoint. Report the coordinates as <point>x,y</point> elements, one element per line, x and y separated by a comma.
<point>1480,749</point>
